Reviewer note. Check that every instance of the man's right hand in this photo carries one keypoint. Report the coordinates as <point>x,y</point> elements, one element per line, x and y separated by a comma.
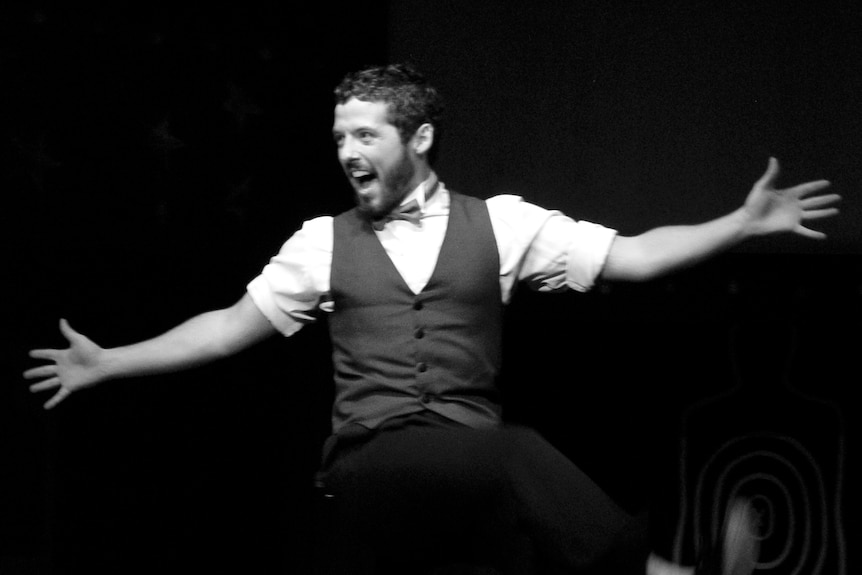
<point>202,339</point>
<point>76,367</point>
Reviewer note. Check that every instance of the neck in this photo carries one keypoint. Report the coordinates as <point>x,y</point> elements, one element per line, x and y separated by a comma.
<point>423,172</point>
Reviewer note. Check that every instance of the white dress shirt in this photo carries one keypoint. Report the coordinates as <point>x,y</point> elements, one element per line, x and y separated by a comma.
<point>543,248</point>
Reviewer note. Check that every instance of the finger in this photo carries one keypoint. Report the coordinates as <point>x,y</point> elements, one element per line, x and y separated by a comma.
<point>41,371</point>
<point>809,233</point>
<point>819,214</point>
<point>819,201</point>
<point>826,200</point>
<point>807,188</point>
<point>51,354</point>
<point>44,385</point>
<point>58,397</point>
<point>771,174</point>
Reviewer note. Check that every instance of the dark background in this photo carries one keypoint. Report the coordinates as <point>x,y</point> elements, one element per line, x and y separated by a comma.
<point>155,158</point>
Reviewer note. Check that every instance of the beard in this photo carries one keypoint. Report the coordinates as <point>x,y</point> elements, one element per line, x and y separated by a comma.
<point>393,187</point>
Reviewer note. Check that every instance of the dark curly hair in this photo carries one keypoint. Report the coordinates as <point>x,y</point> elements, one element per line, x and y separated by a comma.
<point>410,99</point>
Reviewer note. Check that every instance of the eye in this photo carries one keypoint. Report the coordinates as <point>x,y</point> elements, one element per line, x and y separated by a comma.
<point>366,136</point>
<point>338,139</point>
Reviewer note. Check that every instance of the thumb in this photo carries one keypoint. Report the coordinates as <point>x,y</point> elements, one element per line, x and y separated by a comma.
<point>772,170</point>
<point>67,331</point>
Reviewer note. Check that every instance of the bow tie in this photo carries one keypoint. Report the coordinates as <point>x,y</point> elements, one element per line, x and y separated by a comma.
<point>409,211</point>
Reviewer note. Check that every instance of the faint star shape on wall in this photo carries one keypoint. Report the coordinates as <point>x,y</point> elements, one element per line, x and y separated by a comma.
<point>236,200</point>
<point>37,17</point>
<point>37,161</point>
<point>156,38</point>
<point>239,105</point>
<point>160,138</point>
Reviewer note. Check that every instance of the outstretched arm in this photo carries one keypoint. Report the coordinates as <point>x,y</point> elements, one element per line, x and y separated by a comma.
<point>766,210</point>
<point>202,339</point>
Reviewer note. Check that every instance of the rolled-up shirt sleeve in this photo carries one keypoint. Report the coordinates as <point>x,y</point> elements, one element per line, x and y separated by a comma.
<point>588,251</point>
<point>546,249</point>
<point>294,286</point>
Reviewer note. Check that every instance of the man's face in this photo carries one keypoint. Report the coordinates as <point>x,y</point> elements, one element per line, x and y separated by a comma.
<point>379,166</point>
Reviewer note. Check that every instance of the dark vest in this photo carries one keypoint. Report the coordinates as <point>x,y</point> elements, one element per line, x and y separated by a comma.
<point>396,352</point>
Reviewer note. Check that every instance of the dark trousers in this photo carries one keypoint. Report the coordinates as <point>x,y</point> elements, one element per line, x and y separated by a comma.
<point>420,495</point>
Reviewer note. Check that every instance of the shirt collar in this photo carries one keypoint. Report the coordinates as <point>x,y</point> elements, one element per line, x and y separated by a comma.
<point>425,192</point>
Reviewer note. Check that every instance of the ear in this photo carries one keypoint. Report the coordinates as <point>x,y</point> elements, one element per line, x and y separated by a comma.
<point>423,139</point>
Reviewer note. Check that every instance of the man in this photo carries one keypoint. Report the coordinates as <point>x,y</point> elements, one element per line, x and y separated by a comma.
<point>420,471</point>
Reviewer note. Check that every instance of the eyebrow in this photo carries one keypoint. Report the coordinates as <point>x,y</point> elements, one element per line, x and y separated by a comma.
<point>363,128</point>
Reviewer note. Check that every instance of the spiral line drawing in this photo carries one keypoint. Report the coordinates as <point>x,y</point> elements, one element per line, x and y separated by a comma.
<point>786,487</point>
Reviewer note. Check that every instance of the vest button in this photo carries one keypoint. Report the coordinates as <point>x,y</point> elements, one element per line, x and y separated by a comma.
<point>417,305</point>
<point>422,367</point>
<point>420,333</point>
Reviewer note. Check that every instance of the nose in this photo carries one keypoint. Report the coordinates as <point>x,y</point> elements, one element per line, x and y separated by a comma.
<point>347,149</point>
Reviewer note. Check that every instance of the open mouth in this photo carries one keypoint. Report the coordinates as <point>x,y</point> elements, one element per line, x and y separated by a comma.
<point>364,178</point>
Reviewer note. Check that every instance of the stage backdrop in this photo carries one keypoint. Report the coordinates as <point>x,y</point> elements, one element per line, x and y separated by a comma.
<point>636,114</point>
<point>641,114</point>
<point>153,159</point>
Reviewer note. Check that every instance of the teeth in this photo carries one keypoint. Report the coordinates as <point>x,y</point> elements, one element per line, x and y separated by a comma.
<point>360,173</point>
